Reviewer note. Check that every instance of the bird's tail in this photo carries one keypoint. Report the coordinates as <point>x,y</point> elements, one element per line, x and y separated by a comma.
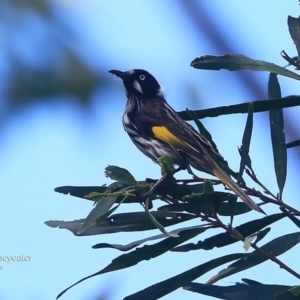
<point>236,189</point>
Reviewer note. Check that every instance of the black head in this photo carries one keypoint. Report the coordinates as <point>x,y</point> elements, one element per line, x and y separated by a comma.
<point>139,82</point>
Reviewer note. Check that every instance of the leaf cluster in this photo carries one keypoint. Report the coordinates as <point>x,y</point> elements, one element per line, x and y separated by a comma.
<point>178,201</point>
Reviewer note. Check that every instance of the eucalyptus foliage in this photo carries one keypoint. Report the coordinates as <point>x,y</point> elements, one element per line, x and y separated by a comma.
<point>180,200</point>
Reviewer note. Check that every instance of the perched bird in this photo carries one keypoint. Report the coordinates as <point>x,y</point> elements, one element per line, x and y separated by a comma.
<point>156,129</point>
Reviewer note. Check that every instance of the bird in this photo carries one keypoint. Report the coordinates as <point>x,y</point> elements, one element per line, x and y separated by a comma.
<point>157,130</point>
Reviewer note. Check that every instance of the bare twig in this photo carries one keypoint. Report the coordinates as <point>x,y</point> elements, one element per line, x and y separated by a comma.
<point>290,60</point>
<point>238,236</point>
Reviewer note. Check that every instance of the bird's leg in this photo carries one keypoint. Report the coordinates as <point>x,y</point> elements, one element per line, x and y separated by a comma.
<point>154,187</point>
<point>145,198</point>
<point>188,168</point>
<point>179,169</point>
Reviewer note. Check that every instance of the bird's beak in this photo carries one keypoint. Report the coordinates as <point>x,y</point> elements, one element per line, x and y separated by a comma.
<point>117,73</point>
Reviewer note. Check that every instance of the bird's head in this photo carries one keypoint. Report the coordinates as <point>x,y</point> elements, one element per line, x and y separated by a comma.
<point>139,82</point>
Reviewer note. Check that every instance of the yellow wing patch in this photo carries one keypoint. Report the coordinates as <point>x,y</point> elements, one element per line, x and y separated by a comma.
<point>162,133</point>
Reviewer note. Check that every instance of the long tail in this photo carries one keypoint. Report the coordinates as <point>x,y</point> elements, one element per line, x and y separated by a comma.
<point>236,188</point>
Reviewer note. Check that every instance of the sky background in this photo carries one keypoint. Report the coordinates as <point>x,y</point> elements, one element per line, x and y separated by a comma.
<point>61,112</point>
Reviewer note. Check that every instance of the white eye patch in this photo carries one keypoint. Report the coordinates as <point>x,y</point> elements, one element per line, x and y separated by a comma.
<point>137,86</point>
<point>142,77</point>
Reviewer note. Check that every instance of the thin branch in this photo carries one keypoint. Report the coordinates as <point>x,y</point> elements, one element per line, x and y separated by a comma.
<point>238,236</point>
<point>255,179</point>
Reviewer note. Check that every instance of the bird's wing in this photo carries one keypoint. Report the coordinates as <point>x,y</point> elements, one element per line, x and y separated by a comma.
<point>179,134</point>
<point>172,128</point>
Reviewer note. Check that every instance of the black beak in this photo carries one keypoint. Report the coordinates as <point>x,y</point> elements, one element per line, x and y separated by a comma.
<point>117,73</point>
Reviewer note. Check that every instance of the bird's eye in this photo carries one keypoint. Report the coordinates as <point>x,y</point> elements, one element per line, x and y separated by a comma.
<point>142,77</point>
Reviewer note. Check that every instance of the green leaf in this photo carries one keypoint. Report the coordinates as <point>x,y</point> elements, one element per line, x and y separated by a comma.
<point>167,164</point>
<point>139,242</point>
<point>100,210</point>
<point>201,128</point>
<point>159,226</point>
<point>119,174</point>
<point>80,191</point>
<point>262,234</point>
<point>294,25</point>
<point>244,150</point>
<point>238,291</point>
<point>258,106</point>
<point>277,134</point>
<point>186,189</point>
<point>104,202</point>
<point>287,295</point>
<point>205,203</point>
<point>250,281</point>
<point>293,218</point>
<point>217,158</point>
<point>233,207</point>
<point>225,238</point>
<point>295,290</point>
<point>124,222</point>
<point>145,253</point>
<point>238,62</point>
<point>95,192</point>
<point>208,188</point>
<point>165,287</point>
<point>275,247</point>
<point>225,204</point>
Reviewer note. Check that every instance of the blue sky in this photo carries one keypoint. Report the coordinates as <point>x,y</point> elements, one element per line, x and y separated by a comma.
<point>60,143</point>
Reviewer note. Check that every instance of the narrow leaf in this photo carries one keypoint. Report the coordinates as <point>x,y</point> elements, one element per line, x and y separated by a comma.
<point>295,290</point>
<point>201,128</point>
<point>144,253</point>
<point>262,233</point>
<point>238,62</point>
<point>160,227</point>
<point>277,134</point>
<point>186,189</point>
<point>294,24</point>
<point>288,295</point>
<point>293,218</point>
<point>258,106</point>
<point>194,206</point>
<point>80,191</point>
<point>165,287</point>
<point>206,203</point>
<point>225,238</point>
<point>100,209</point>
<point>217,158</point>
<point>276,247</point>
<point>244,150</point>
<point>124,222</point>
<point>119,174</point>
<point>238,291</point>
<point>250,281</point>
<point>139,242</point>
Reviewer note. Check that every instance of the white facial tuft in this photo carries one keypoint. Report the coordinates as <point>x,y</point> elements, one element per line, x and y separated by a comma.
<point>137,86</point>
<point>161,93</point>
